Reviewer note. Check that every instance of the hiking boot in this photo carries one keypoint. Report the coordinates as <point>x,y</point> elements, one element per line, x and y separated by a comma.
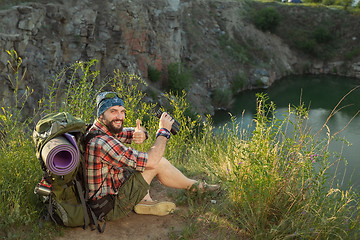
<point>202,186</point>
<point>211,187</point>
<point>154,208</point>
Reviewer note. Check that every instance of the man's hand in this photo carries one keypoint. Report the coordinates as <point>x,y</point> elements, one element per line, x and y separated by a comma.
<point>139,135</point>
<point>166,121</point>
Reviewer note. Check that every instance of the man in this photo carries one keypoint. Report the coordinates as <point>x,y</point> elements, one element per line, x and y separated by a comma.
<point>124,173</point>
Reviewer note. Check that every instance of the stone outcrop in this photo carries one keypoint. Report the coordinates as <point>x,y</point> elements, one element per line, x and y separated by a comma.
<point>133,35</point>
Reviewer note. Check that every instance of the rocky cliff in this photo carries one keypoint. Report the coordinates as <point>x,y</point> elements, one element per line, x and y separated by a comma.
<point>214,39</point>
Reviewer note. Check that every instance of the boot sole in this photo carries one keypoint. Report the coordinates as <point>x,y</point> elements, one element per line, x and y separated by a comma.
<point>158,209</point>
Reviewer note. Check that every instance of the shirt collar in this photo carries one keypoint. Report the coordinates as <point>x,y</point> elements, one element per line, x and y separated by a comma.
<point>102,127</point>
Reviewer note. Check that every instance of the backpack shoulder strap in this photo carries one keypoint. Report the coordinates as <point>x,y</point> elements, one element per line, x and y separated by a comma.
<point>91,135</point>
<point>96,220</point>
<point>83,202</point>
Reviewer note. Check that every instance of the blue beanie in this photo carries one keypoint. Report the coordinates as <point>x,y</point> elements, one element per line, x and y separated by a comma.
<point>106,100</point>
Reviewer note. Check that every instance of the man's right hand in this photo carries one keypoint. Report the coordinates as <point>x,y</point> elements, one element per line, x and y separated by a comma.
<point>166,121</point>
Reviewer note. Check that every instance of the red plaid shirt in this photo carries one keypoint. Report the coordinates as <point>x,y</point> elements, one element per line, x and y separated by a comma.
<point>108,160</point>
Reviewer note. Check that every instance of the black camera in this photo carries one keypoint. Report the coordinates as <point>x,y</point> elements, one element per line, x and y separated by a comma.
<point>175,128</point>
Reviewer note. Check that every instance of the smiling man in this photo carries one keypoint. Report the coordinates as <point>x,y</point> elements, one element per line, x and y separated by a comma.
<point>119,176</point>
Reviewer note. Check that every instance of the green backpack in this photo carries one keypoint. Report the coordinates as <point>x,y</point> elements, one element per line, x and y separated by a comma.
<point>60,146</point>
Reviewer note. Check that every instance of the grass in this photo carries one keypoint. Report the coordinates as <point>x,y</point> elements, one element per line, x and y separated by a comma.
<point>274,179</point>
<point>19,168</point>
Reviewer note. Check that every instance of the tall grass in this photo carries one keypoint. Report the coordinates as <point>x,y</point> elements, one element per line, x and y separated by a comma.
<point>274,178</point>
<point>73,90</point>
<point>19,169</point>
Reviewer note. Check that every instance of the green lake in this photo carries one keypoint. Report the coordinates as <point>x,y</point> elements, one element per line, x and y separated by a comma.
<point>320,94</point>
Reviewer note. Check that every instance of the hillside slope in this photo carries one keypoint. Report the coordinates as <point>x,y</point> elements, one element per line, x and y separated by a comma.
<point>216,40</point>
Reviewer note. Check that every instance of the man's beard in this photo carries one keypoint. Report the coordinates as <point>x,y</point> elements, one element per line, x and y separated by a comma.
<point>113,129</point>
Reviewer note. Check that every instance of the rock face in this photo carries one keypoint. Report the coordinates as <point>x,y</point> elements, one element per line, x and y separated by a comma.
<point>133,35</point>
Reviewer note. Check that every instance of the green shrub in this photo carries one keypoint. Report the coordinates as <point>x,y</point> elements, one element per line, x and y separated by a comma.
<point>347,4</point>
<point>328,2</point>
<point>179,78</point>
<point>315,42</point>
<point>154,74</point>
<point>222,97</point>
<point>322,35</point>
<point>354,53</point>
<point>238,83</point>
<point>313,1</point>
<point>153,94</point>
<point>267,19</point>
<point>234,49</point>
<point>259,82</point>
<point>334,70</point>
<point>307,45</point>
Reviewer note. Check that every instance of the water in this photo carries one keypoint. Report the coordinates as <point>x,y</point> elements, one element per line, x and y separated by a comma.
<point>320,94</point>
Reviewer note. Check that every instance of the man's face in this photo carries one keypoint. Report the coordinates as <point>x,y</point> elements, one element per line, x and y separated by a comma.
<point>114,118</point>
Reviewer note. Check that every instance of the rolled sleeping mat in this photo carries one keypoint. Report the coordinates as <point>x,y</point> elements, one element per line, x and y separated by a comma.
<point>61,154</point>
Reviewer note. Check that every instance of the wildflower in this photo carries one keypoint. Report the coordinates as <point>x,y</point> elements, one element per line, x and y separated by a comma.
<point>312,157</point>
<point>240,163</point>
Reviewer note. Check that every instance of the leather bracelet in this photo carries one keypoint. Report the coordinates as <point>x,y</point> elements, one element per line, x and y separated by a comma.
<point>163,132</point>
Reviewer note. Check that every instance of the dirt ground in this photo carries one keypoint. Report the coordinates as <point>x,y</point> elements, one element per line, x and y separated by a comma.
<point>135,226</point>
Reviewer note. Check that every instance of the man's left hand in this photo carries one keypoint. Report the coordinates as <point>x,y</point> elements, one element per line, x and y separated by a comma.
<point>139,135</point>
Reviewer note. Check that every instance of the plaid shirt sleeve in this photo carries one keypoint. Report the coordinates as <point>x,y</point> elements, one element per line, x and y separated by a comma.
<point>126,135</point>
<point>118,155</point>
<point>107,159</point>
